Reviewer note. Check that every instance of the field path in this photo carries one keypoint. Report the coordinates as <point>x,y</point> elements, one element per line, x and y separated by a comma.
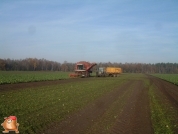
<point>8,87</point>
<point>168,93</point>
<point>130,116</point>
<point>135,117</point>
<point>125,110</point>
<point>78,122</point>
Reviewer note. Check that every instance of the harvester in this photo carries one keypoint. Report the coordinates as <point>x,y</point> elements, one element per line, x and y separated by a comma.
<point>82,69</point>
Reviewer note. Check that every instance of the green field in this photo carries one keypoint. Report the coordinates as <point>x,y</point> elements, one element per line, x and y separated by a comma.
<point>9,77</point>
<point>173,78</point>
<point>38,107</point>
<point>51,103</point>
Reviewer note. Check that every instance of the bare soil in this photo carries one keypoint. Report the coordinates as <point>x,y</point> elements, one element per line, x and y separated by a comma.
<point>131,116</point>
<point>8,87</point>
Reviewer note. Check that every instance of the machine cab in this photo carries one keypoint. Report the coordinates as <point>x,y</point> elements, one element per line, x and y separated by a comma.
<point>80,67</point>
<point>100,70</point>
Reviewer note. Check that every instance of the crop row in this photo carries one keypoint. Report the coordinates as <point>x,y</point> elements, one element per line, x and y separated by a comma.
<point>35,107</point>
<point>173,78</point>
<point>9,77</point>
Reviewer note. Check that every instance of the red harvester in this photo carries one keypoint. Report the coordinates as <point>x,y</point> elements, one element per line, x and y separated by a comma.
<point>82,69</point>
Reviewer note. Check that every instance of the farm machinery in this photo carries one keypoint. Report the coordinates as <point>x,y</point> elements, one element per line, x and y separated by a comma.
<point>82,69</point>
<point>108,71</point>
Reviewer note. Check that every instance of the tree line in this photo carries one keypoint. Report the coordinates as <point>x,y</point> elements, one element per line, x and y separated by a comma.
<point>34,64</point>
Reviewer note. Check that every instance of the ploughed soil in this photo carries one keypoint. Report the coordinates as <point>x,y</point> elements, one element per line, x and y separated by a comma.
<point>124,110</point>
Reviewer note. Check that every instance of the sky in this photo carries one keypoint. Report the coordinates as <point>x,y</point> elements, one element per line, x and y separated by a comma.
<point>141,31</point>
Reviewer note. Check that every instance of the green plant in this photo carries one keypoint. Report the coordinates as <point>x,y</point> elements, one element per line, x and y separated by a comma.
<point>9,77</point>
<point>159,114</point>
<point>37,107</point>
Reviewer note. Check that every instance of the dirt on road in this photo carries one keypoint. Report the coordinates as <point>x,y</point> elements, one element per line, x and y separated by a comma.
<point>124,110</point>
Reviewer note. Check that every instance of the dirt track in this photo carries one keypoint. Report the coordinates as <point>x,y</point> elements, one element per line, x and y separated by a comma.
<point>125,110</point>
<point>7,87</point>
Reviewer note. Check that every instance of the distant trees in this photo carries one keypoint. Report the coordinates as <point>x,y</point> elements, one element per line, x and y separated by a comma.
<point>30,64</point>
<point>2,64</point>
<point>34,64</point>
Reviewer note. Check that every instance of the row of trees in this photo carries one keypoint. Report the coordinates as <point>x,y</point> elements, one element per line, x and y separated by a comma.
<point>33,64</point>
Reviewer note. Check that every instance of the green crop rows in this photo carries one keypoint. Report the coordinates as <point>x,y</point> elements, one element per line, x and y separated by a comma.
<point>9,77</point>
<point>168,77</point>
<point>38,107</point>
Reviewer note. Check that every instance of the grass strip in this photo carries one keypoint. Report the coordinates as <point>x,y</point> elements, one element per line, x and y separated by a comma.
<point>161,120</point>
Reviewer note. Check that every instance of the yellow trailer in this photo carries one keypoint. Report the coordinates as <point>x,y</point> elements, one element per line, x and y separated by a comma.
<point>108,71</point>
<point>113,70</point>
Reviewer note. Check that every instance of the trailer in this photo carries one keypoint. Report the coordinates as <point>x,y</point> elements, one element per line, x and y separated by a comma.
<point>108,71</point>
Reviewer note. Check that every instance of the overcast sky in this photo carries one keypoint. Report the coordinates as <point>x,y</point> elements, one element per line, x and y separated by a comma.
<point>144,31</point>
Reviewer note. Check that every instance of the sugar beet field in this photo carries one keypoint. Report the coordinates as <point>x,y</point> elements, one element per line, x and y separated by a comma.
<point>51,103</point>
